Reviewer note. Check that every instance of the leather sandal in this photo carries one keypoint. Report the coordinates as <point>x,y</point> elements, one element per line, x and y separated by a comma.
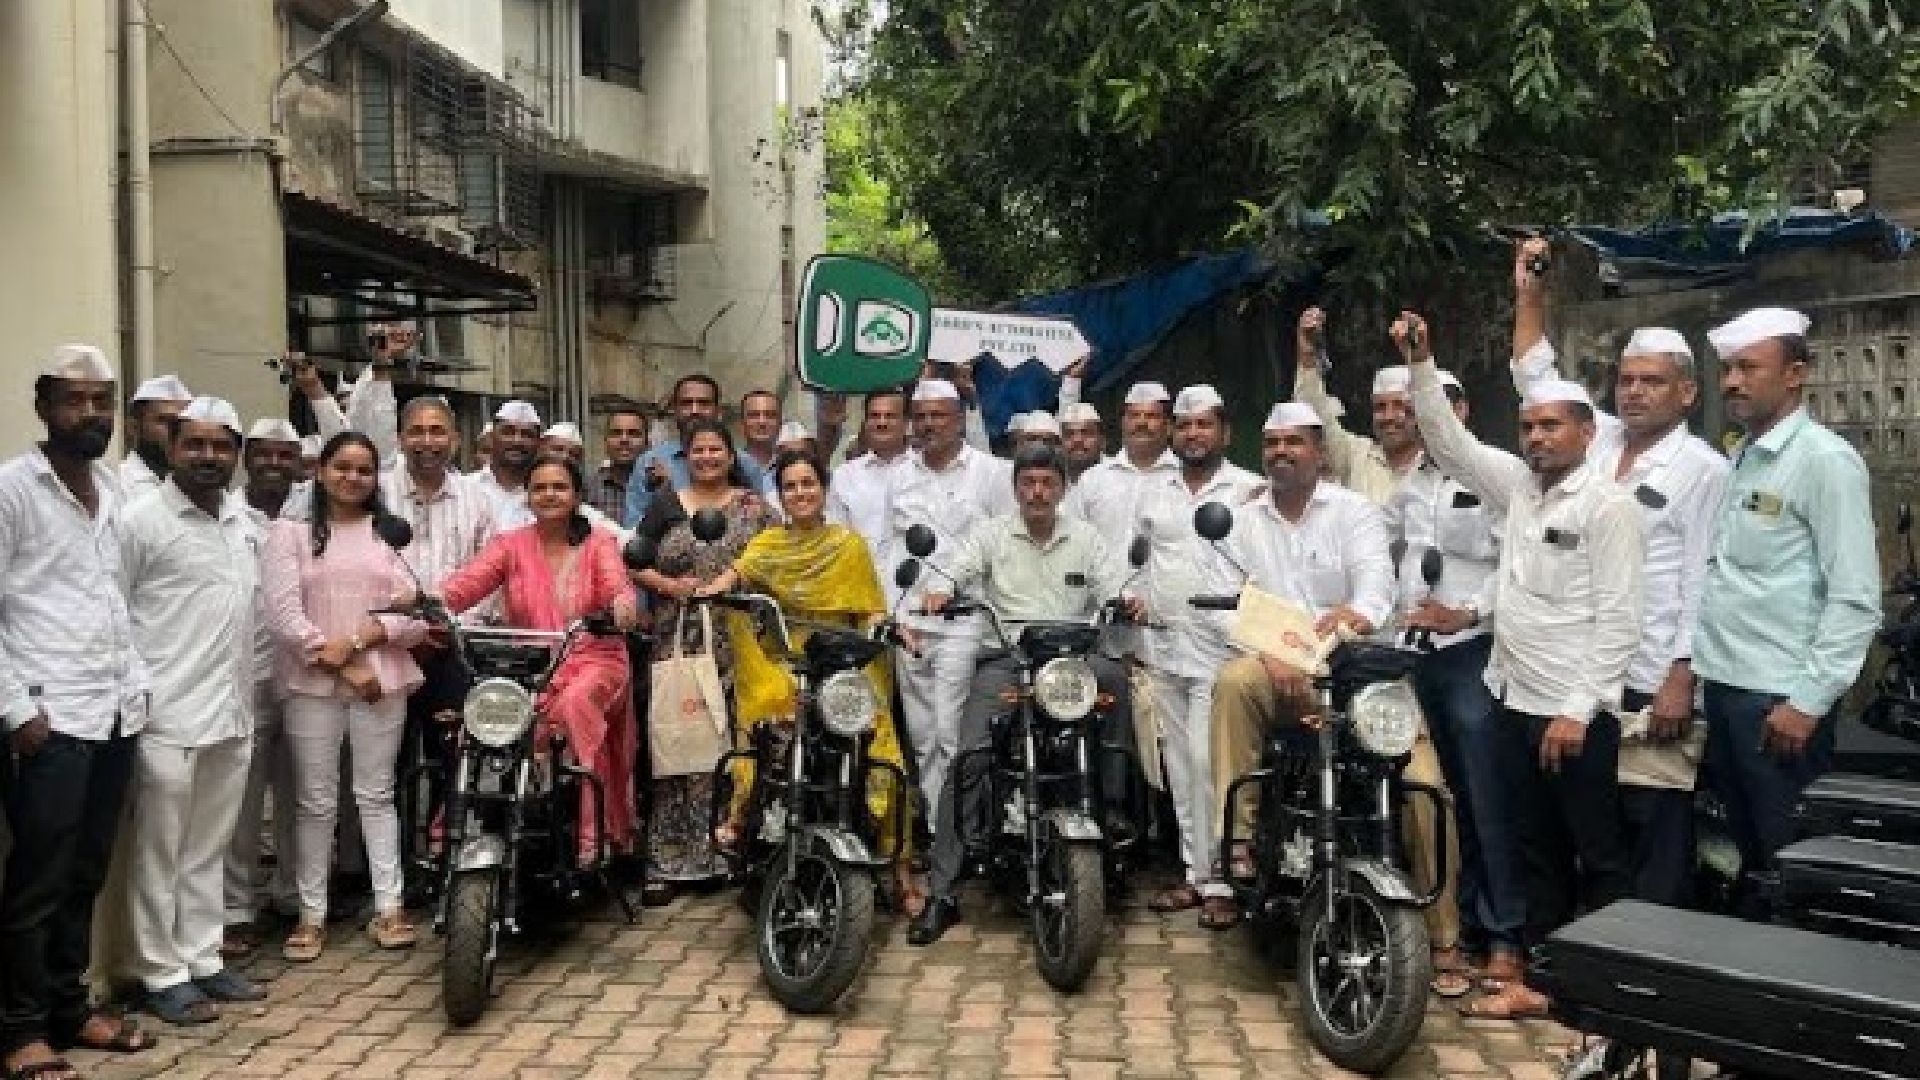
<point>1516,1002</point>
<point>304,944</point>
<point>393,931</point>
<point>1219,913</point>
<point>1174,898</point>
<point>1502,970</point>
<point>1452,976</point>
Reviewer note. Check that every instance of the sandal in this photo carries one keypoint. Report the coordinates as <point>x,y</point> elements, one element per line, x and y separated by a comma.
<point>1516,1002</point>
<point>1174,898</point>
<point>56,1068</point>
<point>393,931</point>
<point>913,899</point>
<point>304,944</point>
<point>239,941</point>
<point>1502,970</point>
<point>1240,861</point>
<point>1219,913</point>
<point>1452,975</point>
<point>126,1036</point>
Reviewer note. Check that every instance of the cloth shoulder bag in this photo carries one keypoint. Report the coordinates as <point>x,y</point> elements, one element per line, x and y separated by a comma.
<point>687,706</point>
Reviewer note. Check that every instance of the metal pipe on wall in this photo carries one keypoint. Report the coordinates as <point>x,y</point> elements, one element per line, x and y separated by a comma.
<point>137,178</point>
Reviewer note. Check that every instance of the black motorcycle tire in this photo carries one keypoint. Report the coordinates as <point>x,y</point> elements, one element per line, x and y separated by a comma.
<point>466,977</point>
<point>849,931</point>
<point>1408,965</point>
<point>1078,871</point>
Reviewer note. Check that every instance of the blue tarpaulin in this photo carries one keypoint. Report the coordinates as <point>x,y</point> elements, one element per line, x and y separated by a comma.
<point>1693,254</point>
<point>1123,320</point>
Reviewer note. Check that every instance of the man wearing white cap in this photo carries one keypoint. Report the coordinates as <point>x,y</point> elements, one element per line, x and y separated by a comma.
<point>1792,596</point>
<point>1107,495</point>
<point>563,439</point>
<point>1679,483</point>
<point>516,442</point>
<point>1320,546</point>
<point>155,404</point>
<point>1571,589</point>
<point>1183,659</point>
<point>73,694</point>
<point>949,487</point>
<point>1082,439</point>
<point>271,456</point>
<point>1039,429</point>
<point>191,557</point>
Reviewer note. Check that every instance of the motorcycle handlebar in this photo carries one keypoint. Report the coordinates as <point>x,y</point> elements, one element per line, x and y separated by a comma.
<point>1215,603</point>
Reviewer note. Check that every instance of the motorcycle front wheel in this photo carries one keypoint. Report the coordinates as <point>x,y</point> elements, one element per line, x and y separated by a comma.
<point>1363,976</point>
<point>1070,914</point>
<point>466,977</point>
<point>816,918</point>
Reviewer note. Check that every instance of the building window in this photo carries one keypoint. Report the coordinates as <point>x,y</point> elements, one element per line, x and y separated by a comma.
<point>379,152</point>
<point>610,41</point>
<point>303,35</point>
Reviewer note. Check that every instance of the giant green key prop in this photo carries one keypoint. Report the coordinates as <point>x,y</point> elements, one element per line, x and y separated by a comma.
<point>864,326</point>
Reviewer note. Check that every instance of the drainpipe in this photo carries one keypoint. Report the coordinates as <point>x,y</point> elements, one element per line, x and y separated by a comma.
<point>138,179</point>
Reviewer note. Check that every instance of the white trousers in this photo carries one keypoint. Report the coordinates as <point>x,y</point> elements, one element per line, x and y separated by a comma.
<point>1184,703</point>
<point>933,693</point>
<point>270,770</point>
<point>315,729</point>
<point>186,801</point>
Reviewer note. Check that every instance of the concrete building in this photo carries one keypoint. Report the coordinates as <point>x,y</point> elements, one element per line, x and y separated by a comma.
<point>577,199</point>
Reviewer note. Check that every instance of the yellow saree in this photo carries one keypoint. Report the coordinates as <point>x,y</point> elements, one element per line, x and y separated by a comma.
<point>824,574</point>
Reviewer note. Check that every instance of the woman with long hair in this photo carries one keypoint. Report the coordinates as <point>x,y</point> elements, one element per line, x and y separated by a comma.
<point>679,836</point>
<point>550,573</point>
<point>822,572</point>
<point>346,672</point>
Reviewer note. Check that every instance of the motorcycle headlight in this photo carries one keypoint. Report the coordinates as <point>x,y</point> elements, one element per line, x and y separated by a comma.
<point>497,712</point>
<point>1066,688</point>
<point>1386,719</point>
<point>847,704</point>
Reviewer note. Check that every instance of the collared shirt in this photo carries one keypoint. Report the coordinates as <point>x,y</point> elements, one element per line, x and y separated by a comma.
<point>1336,554</point>
<point>1354,460</point>
<point>860,496</point>
<point>1570,586</point>
<point>510,509</point>
<point>1067,577</point>
<point>66,642</point>
<point>1679,484</point>
<point>193,586</point>
<point>609,494</point>
<point>671,456</point>
<point>1107,496</point>
<point>973,487</point>
<point>1431,511</point>
<point>1792,596</point>
<point>136,477</point>
<point>266,650</point>
<point>449,528</point>
<point>1181,565</point>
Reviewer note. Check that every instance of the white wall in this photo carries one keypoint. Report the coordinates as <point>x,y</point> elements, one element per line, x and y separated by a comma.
<point>56,195</point>
<point>470,29</point>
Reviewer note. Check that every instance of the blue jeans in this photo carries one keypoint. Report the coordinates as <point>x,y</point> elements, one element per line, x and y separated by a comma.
<point>1464,720</point>
<point>1759,790</point>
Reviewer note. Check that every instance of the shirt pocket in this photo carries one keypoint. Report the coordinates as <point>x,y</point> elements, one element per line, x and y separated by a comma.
<point>1549,571</point>
<point>1755,539</point>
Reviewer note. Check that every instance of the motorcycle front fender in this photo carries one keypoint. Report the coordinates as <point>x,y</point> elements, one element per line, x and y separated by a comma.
<point>843,846</point>
<point>1074,827</point>
<point>483,852</point>
<point>1384,881</point>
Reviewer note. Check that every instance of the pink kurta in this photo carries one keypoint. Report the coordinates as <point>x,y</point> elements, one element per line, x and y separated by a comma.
<point>591,693</point>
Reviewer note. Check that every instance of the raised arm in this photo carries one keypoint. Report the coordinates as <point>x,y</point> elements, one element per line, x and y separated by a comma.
<point>1488,472</point>
<point>1343,446</point>
<point>1534,359</point>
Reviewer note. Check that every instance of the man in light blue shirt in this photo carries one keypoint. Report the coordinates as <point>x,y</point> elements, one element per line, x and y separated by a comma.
<point>1792,595</point>
<point>694,397</point>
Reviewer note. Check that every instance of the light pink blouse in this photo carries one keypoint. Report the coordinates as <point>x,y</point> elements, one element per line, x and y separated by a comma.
<point>311,600</point>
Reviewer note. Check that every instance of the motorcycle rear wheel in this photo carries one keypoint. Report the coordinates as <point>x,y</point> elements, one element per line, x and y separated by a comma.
<point>813,928</point>
<point>466,977</point>
<point>1363,978</point>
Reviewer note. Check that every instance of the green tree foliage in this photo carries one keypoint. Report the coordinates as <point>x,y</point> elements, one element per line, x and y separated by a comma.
<point>1047,142</point>
<point>865,213</point>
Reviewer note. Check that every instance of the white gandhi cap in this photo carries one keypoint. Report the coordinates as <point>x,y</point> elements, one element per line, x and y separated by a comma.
<point>565,431</point>
<point>1756,326</point>
<point>1080,413</point>
<point>1398,379</point>
<point>1657,341</point>
<point>310,446</point>
<point>79,363</point>
<point>268,430</point>
<point>935,390</point>
<point>1291,414</point>
<point>1549,391</point>
<point>1147,393</point>
<point>517,412</point>
<point>1041,422</point>
<point>163,388</point>
<point>792,431</point>
<point>1197,399</point>
<point>213,410</point>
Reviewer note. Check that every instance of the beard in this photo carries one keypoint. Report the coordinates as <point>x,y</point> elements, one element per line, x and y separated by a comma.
<point>86,441</point>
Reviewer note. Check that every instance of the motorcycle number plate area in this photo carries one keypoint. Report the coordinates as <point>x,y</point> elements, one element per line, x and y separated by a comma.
<point>1786,1002</point>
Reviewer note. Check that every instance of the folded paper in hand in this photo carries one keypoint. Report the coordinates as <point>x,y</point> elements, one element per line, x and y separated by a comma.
<point>1277,627</point>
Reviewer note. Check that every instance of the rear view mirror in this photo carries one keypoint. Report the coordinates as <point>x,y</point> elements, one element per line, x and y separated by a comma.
<point>1213,521</point>
<point>708,525</point>
<point>1138,551</point>
<point>641,552</point>
<point>1904,523</point>
<point>1431,563</point>
<point>921,542</point>
<point>394,530</point>
<point>906,574</point>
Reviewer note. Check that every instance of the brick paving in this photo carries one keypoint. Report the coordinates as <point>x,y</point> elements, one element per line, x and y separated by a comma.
<point>679,996</point>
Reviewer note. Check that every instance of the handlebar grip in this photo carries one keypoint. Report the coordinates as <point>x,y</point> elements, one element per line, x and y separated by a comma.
<point>1214,603</point>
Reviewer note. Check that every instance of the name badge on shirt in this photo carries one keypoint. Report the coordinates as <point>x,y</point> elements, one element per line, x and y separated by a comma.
<point>1076,581</point>
<point>1465,500</point>
<point>1764,503</point>
<point>1649,498</point>
<point>1564,539</point>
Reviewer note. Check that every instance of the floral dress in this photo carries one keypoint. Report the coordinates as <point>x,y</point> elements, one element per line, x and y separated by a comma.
<point>680,828</point>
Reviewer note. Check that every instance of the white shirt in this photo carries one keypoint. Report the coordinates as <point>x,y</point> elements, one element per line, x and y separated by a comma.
<point>448,530</point>
<point>1337,553</point>
<point>372,410</point>
<point>510,510</point>
<point>1107,496</point>
<point>193,584</point>
<point>973,487</point>
<point>265,648</point>
<point>1181,565</point>
<point>66,645</point>
<point>1432,511</point>
<point>1679,483</point>
<point>136,477</point>
<point>1570,586</point>
<point>860,496</point>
